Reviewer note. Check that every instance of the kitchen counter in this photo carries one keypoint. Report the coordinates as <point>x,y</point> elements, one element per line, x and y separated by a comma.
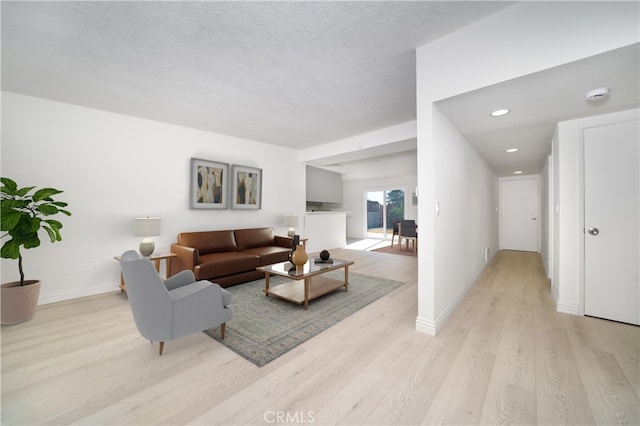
<point>328,212</point>
<point>326,230</point>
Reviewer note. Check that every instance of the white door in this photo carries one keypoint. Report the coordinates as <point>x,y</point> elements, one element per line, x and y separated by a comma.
<point>612,234</point>
<point>519,214</point>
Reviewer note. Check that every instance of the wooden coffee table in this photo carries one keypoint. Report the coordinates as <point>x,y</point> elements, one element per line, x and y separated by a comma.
<point>314,284</point>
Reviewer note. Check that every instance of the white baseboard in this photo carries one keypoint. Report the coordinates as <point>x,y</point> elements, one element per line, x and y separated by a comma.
<point>74,294</point>
<point>425,326</point>
<point>568,308</point>
<point>432,328</point>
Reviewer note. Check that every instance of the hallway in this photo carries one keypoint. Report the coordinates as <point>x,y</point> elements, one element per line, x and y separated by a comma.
<point>536,365</point>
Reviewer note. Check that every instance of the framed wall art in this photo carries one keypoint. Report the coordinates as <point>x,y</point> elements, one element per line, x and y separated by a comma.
<point>209,184</point>
<point>246,188</point>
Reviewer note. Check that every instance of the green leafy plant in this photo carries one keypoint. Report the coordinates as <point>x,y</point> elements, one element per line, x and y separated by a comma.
<point>23,213</point>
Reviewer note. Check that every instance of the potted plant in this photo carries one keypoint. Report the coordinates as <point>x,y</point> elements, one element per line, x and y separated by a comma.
<point>24,212</point>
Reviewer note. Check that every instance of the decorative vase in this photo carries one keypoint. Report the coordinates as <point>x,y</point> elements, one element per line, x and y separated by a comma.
<point>299,256</point>
<point>18,302</point>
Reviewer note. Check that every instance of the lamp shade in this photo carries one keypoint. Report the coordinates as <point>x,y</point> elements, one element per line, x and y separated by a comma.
<point>146,226</point>
<point>291,220</point>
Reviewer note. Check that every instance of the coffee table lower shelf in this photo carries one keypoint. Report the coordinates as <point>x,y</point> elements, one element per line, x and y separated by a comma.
<point>307,282</point>
<point>292,291</point>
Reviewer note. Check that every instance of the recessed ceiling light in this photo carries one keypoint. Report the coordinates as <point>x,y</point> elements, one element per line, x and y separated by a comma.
<point>512,150</point>
<point>500,112</point>
<point>517,172</point>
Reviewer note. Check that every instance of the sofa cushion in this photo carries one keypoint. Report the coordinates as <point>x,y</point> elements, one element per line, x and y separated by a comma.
<point>216,265</point>
<point>255,237</point>
<point>270,255</point>
<point>209,241</point>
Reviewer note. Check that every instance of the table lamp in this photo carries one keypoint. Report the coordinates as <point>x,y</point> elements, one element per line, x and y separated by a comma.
<point>146,227</point>
<point>291,221</point>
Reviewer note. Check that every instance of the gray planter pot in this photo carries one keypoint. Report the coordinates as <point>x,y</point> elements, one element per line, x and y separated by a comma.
<point>19,303</point>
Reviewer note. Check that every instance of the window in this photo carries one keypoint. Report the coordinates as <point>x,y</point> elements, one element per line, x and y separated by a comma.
<point>383,207</point>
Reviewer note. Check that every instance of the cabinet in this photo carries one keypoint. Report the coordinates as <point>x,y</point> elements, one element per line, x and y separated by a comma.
<point>324,185</point>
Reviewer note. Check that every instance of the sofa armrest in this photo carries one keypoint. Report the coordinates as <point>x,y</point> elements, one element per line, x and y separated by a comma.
<point>286,242</point>
<point>188,258</point>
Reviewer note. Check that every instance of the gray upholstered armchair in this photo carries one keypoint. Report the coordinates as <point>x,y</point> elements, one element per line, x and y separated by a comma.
<point>175,307</point>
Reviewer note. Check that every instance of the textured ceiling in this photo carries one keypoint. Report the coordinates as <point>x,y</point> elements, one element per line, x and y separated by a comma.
<point>296,74</point>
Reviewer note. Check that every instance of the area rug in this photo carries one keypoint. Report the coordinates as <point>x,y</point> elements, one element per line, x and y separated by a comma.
<point>397,250</point>
<point>263,328</point>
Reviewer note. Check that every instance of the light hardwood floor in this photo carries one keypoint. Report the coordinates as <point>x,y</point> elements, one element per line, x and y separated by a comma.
<point>504,357</point>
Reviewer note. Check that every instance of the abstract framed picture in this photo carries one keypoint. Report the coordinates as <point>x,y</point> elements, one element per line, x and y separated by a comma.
<point>246,188</point>
<point>209,184</point>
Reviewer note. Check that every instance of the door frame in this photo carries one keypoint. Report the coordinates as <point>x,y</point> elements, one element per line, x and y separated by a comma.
<point>535,177</point>
<point>384,189</point>
<point>567,207</point>
<point>581,205</point>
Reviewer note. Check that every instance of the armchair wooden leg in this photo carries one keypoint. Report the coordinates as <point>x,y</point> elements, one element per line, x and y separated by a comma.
<point>222,327</point>
<point>161,347</point>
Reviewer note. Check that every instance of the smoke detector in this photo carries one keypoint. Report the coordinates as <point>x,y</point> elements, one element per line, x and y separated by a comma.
<point>596,94</point>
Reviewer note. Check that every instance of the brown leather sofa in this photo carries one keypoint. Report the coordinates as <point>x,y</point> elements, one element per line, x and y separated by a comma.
<point>229,257</point>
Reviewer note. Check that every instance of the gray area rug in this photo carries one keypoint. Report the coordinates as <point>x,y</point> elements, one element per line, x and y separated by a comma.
<point>263,328</point>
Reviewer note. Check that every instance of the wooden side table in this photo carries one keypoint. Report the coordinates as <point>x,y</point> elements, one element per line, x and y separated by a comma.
<point>156,258</point>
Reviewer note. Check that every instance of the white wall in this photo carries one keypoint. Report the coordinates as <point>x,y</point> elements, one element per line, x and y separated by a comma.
<point>569,197</point>
<point>545,229</point>
<point>114,168</point>
<point>553,219</point>
<point>525,38</point>
<point>467,222</point>
<point>398,171</point>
